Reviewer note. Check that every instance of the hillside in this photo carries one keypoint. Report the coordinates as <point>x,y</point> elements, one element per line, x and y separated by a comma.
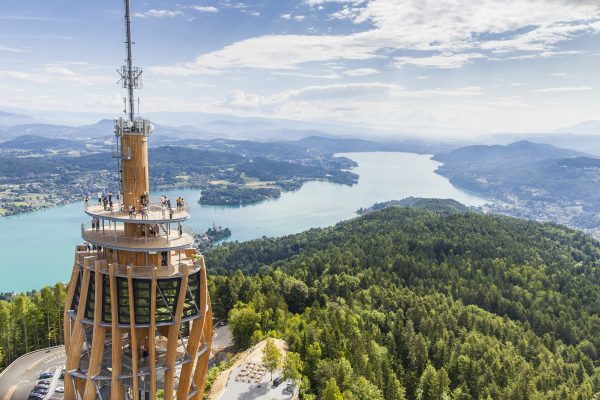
<point>440,205</point>
<point>408,303</point>
<point>401,304</point>
<point>532,180</point>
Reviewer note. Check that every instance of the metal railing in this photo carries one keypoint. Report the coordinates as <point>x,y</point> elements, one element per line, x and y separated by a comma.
<point>154,207</point>
<point>174,232</point>
<point>137,127</point>
<point>113,235</point>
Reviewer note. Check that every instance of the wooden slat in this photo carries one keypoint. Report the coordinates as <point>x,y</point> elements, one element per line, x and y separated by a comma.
<point>68,301</point>
<point>116,385</point>
<point>202,364</point>
<point>172,339</point>
<point>152,336</point>
<point>196,332</point>
<point>133,335</point>
<point>97,350</point>
<point>76,342</point>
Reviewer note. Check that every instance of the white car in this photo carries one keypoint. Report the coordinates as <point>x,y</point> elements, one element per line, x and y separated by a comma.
<point>60,389</point>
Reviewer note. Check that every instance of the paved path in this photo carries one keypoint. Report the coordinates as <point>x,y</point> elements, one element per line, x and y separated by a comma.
<point>21,376</point>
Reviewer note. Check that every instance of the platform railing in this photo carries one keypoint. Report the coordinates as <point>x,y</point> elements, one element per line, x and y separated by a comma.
<point>110,232</point>
<point>153,207</point>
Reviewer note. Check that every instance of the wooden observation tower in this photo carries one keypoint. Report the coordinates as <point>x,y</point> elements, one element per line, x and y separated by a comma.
<point>138,315</point>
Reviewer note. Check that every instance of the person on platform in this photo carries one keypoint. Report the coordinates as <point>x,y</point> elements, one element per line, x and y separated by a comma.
<point>86,201</point>
<point>163,208</point>
<point>99,198</point>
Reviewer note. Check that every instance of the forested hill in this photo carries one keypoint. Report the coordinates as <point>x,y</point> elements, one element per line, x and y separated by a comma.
<point>408,303</point>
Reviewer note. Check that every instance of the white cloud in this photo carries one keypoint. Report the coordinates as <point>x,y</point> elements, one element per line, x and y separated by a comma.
<point>449,34</point>
<point>12,49</point>
<point>47,74</point>
<point>342,91</point>
<point>153,13</point>
<point>206,9</point>
<point>361,72</point>
<point>560,74</point>
<point>299,18</point>
<point>438,61</point>
<point>321,2</point>
<point>563,89</point>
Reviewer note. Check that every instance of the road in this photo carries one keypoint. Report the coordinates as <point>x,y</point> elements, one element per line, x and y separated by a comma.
<point>21,376</point>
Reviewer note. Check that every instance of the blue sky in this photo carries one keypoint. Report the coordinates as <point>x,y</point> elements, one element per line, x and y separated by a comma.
<point>388,65</point>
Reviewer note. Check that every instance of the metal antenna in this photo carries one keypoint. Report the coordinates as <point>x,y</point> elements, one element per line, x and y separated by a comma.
<point>129,58</point>
<point>130,75</point>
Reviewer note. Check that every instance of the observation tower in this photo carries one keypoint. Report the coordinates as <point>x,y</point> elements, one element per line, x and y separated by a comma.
<point>137,313</point>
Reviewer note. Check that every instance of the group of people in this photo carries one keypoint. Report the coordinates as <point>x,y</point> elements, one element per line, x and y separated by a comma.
<point>106,200</point>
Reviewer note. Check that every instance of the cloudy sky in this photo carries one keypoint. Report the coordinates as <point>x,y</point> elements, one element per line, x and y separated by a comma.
<point>393,65</point>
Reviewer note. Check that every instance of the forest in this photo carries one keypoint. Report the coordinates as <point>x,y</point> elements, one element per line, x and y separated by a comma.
<point>401,303</point>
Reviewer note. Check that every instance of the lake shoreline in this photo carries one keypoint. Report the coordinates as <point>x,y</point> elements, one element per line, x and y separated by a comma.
<point>54,232</point>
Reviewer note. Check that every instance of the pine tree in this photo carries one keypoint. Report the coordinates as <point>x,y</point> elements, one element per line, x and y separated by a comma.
<point>331,391</point>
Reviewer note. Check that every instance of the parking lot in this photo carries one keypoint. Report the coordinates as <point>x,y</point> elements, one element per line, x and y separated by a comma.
<point>21,377</point>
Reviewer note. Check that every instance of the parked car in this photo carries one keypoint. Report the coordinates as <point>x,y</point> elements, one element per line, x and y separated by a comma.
<point>40,390</point>
<point>60,389</point>
<point>290,387</point>
<point>38,386</point>
<point>62,374</point>
<point>35,396</point>
<point>44,382</point>
<point>46,375</point>
<point>277,381</point>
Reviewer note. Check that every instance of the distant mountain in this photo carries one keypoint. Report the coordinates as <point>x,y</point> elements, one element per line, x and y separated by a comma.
<point>338,145</point>
<point>585,143</point>
<point>45,130</point>
<point>347,145</point>
<point>32,142</point>
<point>531,180</point>
<point>582,128</point>
<point>498,156</point>
<point>9,119</point>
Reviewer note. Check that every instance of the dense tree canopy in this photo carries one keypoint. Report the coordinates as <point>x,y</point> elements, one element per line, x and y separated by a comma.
<point>400,304</point>
<point>406,303</point>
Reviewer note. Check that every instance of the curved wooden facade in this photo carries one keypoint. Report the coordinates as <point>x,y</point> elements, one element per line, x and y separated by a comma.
<point>137,313</point>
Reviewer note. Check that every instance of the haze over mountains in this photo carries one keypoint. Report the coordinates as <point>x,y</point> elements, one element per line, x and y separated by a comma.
<point>584,137</point>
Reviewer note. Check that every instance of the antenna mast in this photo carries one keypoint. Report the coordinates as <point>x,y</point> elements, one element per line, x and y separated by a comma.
<point>131,77</point>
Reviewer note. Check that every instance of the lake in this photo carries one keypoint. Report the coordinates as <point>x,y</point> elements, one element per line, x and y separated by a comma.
<point>37,249</point>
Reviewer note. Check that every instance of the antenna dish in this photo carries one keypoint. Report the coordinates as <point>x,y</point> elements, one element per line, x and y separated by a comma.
<point>151,128</point>
<point>129,124</point>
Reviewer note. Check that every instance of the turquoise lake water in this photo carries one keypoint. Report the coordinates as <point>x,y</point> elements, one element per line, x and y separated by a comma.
<point>37,249</point>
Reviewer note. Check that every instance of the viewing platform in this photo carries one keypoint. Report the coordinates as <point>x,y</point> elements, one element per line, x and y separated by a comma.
<point>154,213</point>
<point>179,264</point>
<point>114,238</point>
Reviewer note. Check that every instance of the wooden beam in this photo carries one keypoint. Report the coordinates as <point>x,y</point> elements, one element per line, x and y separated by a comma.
<point>117,360</point>
<point>194,338</point>
<point>133,334</point>
<point>202,364</point>
<point>76,342</point>
<point>97,350</point>
<point>68,301</point>
<point>152,336</point>
<point>172,339</point>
